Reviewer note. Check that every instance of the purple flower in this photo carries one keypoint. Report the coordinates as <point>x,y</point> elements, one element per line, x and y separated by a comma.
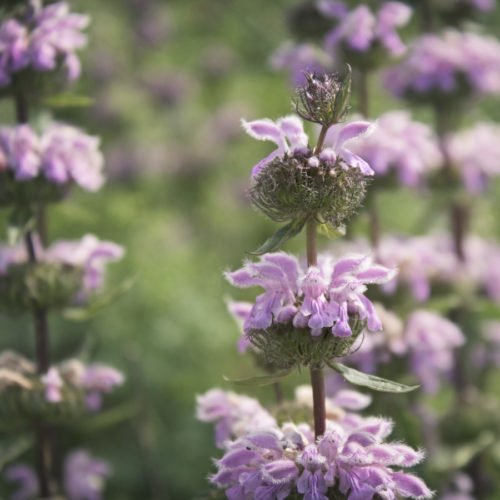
<point>13,49</point>
<point>289,136</point>
<point>474,153</point>
<point>84,476</point>
<point>437,63</point>
<point>233,414</point>
<point>240,312</point>
<point>58,34</point>
<point>399,144</point>
<point>68,154</point>
<point>98,380</point>
<point>89,253</point>
<point>352,456</point>
<point>21,148</point>
<point>431,341</point>
<point>324,297</point>
<point>332,8</point>
<point>26,480</point>
<point>53,384</point>
<point>298,59</point>
<point>361,30</point>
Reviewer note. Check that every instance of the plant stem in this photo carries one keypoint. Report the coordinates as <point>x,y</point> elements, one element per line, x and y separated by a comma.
<point>43,449</point>
<point>426,16</point>
<point>317,377</point>
<point>321,139</point>
<point>374,221</point>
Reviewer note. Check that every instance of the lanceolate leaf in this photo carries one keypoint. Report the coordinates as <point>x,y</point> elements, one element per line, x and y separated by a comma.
<point>260,380</point>
<point>372,381</point>
<point>281,236</point>
<point>68,101</point>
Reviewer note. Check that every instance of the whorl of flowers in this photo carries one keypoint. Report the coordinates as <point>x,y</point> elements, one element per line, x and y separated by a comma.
<point>326,302</point>
<point>42,42</point>
<point>426,339</point>
<point>448,64</point>
<point>84,478</point>
<point>474,154</point>
<point>401,146</point>
<point>297,59</point>
<point>361,30</point>
<point>293,182</point>
<point>66,272</point>
<point>233,414</point>
<point>61,154</point>
<point>424,261</point>
<point>351,458</point>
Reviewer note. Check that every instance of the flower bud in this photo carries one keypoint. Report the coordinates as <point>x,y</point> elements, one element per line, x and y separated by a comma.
<point>324,99</point>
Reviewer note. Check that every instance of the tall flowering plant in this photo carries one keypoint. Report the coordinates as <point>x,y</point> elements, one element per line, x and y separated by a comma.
<point>309,315</point>
<point>448,69</point>
<point>41,162</point>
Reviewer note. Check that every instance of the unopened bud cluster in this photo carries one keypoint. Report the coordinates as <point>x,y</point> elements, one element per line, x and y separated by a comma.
<point>324,98</point>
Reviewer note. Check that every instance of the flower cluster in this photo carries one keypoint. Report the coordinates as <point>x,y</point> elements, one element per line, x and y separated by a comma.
<point>233,414</point>
<point>89,256</point>
<point>449,64</point>
<point>298,58</point>
<point>50,37</point>
<point>361,30</point>
<point>60,382</point>
<point>474,154</point>
<point>321,299</point>
<point>424,261</point>
<point>294,182</point>
<point>426,339</point>
<point>352,458</point>
<point>61,154</point>
<point>84,477</point>
<point>400,145</point>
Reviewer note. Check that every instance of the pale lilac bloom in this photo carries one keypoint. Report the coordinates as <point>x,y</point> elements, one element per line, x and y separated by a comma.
<point>21,148</point>
<point>361,30</point>
<point>474,154</point>
<point>484,5</point>
<point>298,59</point>
<point>84,476</point>
<point>461,488</point>
<point>332,8</point>
<point>436,63</point>
<point>277,273</point>
<point>240,311</point>
<point>339,140</point>
<point>323,297</point>
<point>353,456</point>
<point>68,154</point>
<point>89,253</point>
<point>232,414</point>
<point>98,380</point>
<point>287,133</point>
<point>13,49</point>
<point>486,353</point>
<point>401,145</point>
<point>53,384</point>
<point>26,480</point>
<point>289,136</point>
<point>431,341</point>
<point>58,34</point>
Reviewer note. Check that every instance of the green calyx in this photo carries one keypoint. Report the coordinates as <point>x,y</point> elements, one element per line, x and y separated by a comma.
<point>290,189</point>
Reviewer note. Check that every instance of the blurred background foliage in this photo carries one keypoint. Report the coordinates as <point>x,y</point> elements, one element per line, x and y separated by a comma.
<point>171,80</point>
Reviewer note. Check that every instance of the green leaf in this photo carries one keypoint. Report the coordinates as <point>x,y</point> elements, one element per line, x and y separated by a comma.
<point>14,449</point>
<point>67,100</point>
<point>102,301</point>
<point>372,381</point>
<point>281,236</point>
<point>332,233</point>
<point>260,380</point>
<point>20,221</point>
